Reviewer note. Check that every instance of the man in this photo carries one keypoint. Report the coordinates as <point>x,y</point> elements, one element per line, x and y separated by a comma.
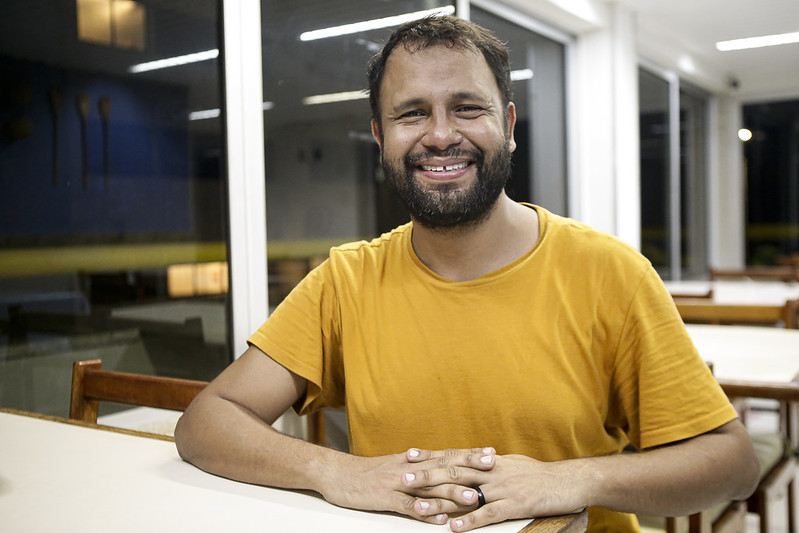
<point>494,359</point>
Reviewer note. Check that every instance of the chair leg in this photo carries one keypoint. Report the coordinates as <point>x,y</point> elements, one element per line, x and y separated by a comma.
<point>792,507</point>
<point>763,512</point>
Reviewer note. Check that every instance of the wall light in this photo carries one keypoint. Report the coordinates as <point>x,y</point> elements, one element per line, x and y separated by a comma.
<point>744,134</point>
<point>373,24</point>
<point>758,42</point>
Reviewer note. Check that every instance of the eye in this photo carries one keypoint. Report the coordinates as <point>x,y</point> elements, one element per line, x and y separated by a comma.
<point>470,110</point>
<point>409,115</point>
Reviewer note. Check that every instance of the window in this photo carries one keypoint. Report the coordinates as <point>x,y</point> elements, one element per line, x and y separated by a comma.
<point>673,132</point>
<point>112,221</point>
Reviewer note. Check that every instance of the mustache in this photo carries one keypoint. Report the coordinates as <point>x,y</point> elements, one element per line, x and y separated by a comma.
<point>478,156</point>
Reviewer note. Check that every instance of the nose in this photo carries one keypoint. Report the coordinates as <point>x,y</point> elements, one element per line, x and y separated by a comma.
<point>442,132</point>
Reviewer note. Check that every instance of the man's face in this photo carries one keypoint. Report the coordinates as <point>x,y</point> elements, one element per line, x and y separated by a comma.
<point>445,141</point>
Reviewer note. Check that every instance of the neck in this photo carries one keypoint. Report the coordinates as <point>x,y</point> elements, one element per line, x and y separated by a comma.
<point>466,253</point>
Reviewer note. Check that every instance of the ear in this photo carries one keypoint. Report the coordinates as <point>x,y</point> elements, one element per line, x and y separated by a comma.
<point>376,134</point>
<point>511,114</point>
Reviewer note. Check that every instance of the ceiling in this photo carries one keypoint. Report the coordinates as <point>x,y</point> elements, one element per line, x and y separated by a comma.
<point>698,24</point>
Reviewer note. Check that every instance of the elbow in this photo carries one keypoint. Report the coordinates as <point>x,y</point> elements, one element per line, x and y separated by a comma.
<point>749,475</point>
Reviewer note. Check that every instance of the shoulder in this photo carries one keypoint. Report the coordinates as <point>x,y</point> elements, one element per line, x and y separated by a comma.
<point>378,246</point>
<point>565,235</point>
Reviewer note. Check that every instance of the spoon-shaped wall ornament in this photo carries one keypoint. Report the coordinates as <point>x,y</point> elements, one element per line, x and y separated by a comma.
<point>82,101</point>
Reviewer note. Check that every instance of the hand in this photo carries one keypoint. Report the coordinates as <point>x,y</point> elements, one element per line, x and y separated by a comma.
<point>514,486</point>
<point>396,483</point>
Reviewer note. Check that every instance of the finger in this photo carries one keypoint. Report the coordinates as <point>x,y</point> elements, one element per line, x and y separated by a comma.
<point>469,474</point>
<point>457,498</point>
<point>490,513</point>
<point>416,455</point>
<point>426,511</point>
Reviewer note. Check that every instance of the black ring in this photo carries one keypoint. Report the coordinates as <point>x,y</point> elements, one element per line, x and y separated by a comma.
<point>481,500</point>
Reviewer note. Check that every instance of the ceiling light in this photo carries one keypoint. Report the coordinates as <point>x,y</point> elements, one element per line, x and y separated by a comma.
<point>374,24</point>
<point>523,74</point>
<point>214,113</point>
<point>174,61</point>
<point>335,97</point>
<point>204,114</point>
<point>758,42</point>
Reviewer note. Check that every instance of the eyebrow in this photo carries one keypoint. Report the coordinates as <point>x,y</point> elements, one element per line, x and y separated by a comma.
<point>458,96</point>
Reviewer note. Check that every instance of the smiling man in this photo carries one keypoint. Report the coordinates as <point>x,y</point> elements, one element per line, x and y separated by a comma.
<point>494,359</point>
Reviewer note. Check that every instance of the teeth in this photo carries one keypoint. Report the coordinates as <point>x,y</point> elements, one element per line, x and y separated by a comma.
<point>446,168</point>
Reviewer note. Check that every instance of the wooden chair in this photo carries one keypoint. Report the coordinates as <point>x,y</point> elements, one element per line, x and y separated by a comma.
<point>699,310</point>
<point>777,451</point>
<point>91,384</point>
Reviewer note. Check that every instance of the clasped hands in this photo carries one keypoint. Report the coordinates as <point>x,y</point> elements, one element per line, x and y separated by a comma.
<point>434,485</point>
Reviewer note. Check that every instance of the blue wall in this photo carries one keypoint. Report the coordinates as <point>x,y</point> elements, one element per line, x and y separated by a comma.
<point>149,190</point>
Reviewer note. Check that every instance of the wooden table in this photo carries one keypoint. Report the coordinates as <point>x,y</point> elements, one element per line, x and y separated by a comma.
<point>61,476</point>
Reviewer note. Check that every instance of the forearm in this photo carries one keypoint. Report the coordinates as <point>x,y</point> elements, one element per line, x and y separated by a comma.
<point>675,480</point>
<point>224,438</point>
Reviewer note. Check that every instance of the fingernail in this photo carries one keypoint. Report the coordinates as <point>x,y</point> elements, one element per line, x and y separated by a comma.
<point>424,506</point>
<point>458,523</point>
<point>410,478</point>
<point>487,459</point>
<point>489,450</point>
<point>413,452</point>
<point>468,494</point>
<point>441,517</point>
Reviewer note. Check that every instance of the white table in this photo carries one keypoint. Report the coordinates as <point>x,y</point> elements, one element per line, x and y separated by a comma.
<point>56,476</point>
<point>748,353</point>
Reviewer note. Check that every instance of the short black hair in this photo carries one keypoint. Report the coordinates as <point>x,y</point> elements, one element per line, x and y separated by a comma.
<point>449,31</point>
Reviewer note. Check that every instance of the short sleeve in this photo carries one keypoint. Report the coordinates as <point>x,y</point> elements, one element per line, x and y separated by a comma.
<point>664,391</point>
<point>303,334</point>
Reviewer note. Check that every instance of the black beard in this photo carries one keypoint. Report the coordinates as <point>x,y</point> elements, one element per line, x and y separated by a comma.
<point>446,206</point>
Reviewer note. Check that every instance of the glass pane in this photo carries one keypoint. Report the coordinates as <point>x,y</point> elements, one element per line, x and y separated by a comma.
<point>112,221</point>
<point>654,125</point>
<point>539,93</point>
<point>693,187</point>
<point>324,185</point>
<point>772,183</point>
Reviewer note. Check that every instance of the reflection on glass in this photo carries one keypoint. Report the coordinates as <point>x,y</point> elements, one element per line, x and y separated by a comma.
<point>772,183</point>
<point>654,128</point>
<point>106,187</point>
<point>693,182</point>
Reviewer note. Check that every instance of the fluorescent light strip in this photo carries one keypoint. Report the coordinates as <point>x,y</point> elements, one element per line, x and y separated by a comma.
<point>374,24</point>
<point>758,42</point>
<point>523,74</point>
<point>214,113</point>
<point>204,114</point>
<point>335,97</point>
<point>174,61</point>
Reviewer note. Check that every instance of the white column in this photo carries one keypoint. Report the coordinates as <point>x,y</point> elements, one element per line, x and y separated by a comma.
<point>728,190</point>
<point>605,188</point>
<point>246,186</point>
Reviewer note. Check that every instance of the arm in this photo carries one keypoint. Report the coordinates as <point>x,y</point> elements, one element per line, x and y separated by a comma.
<point>227,431</point>
<point>671,480</point>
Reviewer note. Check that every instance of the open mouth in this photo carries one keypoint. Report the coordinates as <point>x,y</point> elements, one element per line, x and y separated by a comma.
<point>446,168</point>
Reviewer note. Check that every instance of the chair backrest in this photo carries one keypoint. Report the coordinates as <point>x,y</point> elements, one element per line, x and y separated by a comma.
<point>785,273</point>
<point>91,384</point>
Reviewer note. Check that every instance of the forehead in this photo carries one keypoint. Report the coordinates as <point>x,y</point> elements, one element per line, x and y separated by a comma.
<point>434,71</point>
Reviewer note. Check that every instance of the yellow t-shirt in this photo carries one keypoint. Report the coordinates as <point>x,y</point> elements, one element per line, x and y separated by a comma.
<point>573,350</point>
